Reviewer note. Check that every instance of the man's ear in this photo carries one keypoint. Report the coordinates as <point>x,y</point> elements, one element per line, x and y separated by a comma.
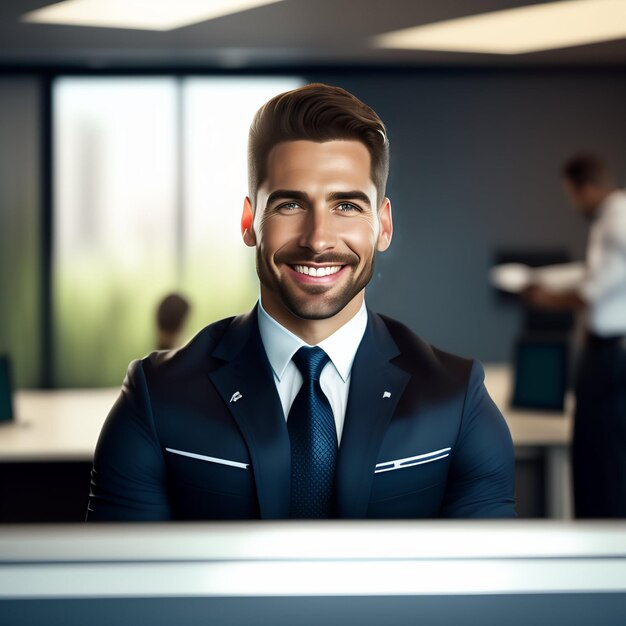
<point>386,226</point>
<point>247,221</point>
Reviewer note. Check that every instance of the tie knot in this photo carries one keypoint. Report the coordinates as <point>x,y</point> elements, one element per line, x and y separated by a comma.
<point>310,362</point>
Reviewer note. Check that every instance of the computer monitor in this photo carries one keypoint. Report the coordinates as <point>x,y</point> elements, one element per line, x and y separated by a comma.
<point>541,373</point>
<point>6,390</point>
<point>312,573</point>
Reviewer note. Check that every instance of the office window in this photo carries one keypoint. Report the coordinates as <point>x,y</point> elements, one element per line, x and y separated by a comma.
<point>149,180</point>
<point>216,267</point>
<point>20,227</point>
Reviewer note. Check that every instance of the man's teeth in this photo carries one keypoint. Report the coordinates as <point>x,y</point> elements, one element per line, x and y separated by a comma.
<point>320,271</point>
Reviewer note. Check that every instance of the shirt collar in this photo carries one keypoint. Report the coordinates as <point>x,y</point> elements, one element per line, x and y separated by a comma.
<point>281,344</point>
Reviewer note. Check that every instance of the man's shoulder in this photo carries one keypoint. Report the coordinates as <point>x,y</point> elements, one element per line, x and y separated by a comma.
<point>417,355</point>
<point>620,196</point>
<point>612,222</point>
<point>615,208</point>
<point>195,355</point>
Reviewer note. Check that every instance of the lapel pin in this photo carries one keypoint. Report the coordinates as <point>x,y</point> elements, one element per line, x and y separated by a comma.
<point>386,394</point>
<point>236,396</point>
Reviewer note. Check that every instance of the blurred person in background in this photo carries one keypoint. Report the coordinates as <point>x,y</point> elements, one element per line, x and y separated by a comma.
<point>171,316</point>
<point>310,405</point>
<point>599,441</point>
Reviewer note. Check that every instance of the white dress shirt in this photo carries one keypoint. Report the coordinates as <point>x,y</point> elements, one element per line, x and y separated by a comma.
<point>604,286</point>
<point>281,344</point>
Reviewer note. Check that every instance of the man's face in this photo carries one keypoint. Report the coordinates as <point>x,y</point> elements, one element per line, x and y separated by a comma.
<point>316,227</point>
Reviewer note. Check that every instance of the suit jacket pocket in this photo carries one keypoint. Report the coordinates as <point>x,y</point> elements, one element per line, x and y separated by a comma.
<point>210,459</point>
<point>411,474</point>
<point>210,473</point>
<point>418,459</point>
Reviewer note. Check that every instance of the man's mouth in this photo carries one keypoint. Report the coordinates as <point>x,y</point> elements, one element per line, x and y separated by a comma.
<point>316,274</point>
<point>309,270</point>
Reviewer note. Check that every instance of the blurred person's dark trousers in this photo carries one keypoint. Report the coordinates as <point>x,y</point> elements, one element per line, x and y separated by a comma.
<point>599,443</point>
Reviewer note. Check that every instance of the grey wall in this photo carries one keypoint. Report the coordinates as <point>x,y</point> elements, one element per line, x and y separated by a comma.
<point>475,160</point>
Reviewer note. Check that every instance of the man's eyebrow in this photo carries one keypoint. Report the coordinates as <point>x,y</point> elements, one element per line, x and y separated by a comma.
<point>349,195</point>
<point>287,194</point>
<point>292,194</point>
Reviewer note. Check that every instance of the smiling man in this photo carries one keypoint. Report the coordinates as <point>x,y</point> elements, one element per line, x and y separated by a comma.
<point>310,405</point>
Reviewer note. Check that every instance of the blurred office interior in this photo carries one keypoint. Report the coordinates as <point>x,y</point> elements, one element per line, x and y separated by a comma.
<point>123,172</point>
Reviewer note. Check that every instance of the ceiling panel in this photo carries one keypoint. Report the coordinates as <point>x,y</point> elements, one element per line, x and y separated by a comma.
<point>293,32</point>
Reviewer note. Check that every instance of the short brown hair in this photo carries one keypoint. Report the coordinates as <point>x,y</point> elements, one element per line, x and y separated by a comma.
<point>316,112</point>
<point>587,168</point>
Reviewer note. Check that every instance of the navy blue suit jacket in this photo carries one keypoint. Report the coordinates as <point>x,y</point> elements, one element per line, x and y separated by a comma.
<point>180,444</point>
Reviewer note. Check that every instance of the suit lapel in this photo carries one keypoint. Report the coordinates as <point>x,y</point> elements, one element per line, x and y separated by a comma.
<point>246,384</point>
<point>375,389</point>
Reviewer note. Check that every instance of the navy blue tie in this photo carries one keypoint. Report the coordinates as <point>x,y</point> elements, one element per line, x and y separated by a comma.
<point>313,437</point>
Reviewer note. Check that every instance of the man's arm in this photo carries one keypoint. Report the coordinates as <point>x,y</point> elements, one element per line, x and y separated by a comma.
<point>481,483</point>
<point>541,298</point>
<point>128,476</point>
<point>607,273</point>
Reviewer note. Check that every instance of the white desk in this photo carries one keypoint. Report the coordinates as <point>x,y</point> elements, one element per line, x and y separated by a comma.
<point>309,558</point>
<point>64,425</point>
<point>312,572</point>
<point>59,425</point>
<point>550,432</point>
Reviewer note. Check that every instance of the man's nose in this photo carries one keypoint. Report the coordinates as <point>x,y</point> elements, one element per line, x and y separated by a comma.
<point>318,233</point>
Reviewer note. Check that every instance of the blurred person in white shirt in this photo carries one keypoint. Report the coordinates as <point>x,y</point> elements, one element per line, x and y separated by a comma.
<point>599,442</point>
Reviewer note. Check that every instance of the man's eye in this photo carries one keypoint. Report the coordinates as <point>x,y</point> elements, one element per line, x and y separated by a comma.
<point>290,206</point>
<point>347,207</point>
